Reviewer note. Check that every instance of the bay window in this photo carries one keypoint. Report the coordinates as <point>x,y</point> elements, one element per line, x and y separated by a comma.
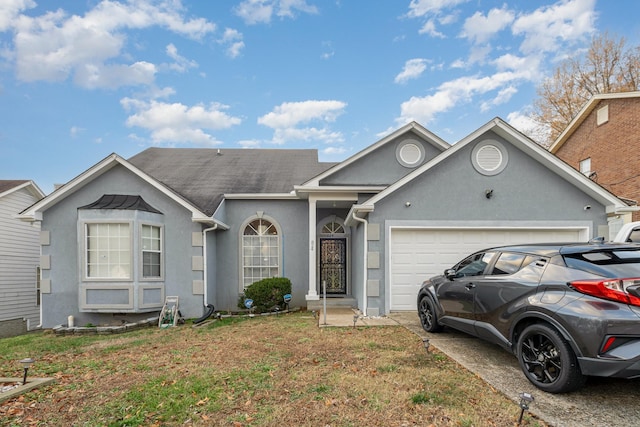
<point>108,248</point>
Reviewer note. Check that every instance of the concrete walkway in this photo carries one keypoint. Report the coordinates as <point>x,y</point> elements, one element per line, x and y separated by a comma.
<point>343,317</point>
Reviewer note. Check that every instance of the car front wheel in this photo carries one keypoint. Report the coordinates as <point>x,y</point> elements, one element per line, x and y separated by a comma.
<point>548,361</point>
<point>428,317</point>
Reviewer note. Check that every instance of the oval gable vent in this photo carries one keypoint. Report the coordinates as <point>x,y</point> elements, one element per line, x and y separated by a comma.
<point>410,153</point>
<point>489,157</point>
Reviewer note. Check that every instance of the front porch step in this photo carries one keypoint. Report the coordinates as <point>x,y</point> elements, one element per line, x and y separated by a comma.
<point>334,302</point>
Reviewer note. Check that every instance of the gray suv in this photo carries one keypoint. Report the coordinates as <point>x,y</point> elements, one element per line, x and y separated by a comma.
<point>567,311</point>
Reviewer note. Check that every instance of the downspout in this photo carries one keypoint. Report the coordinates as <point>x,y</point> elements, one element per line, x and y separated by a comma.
<point>205,263</point>
<point>364,263</point>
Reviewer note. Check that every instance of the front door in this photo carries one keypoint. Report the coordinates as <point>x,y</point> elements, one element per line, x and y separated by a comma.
<point>333,265</point>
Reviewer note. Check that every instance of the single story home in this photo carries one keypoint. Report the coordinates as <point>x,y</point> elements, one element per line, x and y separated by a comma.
<point>203,224</point>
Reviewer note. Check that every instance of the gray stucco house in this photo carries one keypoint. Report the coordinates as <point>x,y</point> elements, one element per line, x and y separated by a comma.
<point>204,223</point>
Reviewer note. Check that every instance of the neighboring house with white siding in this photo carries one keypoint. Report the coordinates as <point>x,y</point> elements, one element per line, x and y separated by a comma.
<point>19,259</point>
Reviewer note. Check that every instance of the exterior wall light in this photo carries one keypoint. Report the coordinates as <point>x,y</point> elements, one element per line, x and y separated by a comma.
<point>488,193</point>
<point>407,204</point>
<point>26,364</point>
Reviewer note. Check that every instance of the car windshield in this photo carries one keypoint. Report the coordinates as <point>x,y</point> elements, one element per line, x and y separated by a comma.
<point>609,263</point>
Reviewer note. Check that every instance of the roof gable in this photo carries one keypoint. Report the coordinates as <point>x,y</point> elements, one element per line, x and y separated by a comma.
<point>34,212</point>
<point>582,115</point>
<point>530,148</point>
<point>8,186</point>
<point>411,130</point>
<point>198,179</point>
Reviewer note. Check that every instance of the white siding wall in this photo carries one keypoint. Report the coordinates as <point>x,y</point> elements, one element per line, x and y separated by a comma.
<point>19,258</point>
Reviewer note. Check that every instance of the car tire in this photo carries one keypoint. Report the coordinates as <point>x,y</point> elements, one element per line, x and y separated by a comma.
<point>547,360</point>
<point>427,314</point>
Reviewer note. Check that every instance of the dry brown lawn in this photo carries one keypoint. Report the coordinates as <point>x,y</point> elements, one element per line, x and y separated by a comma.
<point>267,371</point>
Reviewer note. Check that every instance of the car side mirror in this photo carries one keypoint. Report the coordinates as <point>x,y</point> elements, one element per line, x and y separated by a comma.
<point>449,273</point>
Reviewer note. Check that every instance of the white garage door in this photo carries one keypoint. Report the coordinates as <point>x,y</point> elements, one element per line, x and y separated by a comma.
<point>417,254</point>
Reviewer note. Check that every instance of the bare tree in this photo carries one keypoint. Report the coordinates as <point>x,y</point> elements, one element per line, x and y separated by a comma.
<point>607,67</point>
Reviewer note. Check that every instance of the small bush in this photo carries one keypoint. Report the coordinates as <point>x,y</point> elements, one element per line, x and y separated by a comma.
<point>267,294</point>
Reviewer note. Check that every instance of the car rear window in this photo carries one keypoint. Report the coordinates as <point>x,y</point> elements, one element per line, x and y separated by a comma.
<point>609,263</point>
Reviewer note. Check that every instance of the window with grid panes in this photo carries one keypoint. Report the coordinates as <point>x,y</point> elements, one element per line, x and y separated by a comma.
<point>108,251</point>
<point>260,251</point>
<point>151,251</point>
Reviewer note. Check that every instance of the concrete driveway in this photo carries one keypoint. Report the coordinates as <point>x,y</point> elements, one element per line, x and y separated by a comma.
<point>602,402</point>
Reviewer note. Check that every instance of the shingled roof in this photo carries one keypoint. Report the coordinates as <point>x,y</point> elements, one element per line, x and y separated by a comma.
<point>8,184</point>
<point>203,175</point>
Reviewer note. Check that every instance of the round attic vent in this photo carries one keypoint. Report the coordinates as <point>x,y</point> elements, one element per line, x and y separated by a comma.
<point>489,157</point>
<point>410,153</point>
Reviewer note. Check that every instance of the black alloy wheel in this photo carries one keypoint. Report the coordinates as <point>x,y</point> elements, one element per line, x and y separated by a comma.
<point>428,317</point>
<point>548,361</point>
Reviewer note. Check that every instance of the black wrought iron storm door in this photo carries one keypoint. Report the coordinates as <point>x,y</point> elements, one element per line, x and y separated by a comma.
<point>333,265</point>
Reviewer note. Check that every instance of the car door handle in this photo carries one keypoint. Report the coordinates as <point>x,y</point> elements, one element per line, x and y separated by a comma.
<point>470,286</point>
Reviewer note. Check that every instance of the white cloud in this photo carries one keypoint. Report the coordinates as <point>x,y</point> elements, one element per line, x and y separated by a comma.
<point>291,114</point>
<point>10,10</point>
<point>180,64</point>
<point>287,117</point>
<point>419,8</point>
<point>334,150</point>
<point>503,96</point>
<point>93,76</point>
<point>413,69</point>
<point>249,143</point>
<point>546,31</point>
<point>178,123</point>
<point>429,27</point>
<point>75,131</point>
<point>329,52</point>
<point>261,11</point>
<point>452,93</point>
<point>255,11</point>
<point>284,135</point>
<point>458,63</point>
<point>286,8</point>
<point>479,28</point>
<point>54,46</point>
<point>522,121</point>
<point>566,21</point>
<point>233,40</point>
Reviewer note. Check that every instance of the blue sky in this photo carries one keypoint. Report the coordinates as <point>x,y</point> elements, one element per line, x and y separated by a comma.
<point>81,79</point>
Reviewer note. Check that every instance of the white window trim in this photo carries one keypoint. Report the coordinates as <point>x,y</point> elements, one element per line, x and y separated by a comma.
<point>585,166</point>
<point>328,220</point>
<point>85,260</point>
<point>141,253</point>
<point>241,246</point>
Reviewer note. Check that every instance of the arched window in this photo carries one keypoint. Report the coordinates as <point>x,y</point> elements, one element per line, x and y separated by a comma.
<point>332,228</point>
<point>260,251</point>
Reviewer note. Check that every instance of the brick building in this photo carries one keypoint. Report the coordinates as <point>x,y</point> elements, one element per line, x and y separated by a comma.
<point>603,142</point>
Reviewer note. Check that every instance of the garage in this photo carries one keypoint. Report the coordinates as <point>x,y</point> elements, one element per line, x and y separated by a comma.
<point>419,253</point>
